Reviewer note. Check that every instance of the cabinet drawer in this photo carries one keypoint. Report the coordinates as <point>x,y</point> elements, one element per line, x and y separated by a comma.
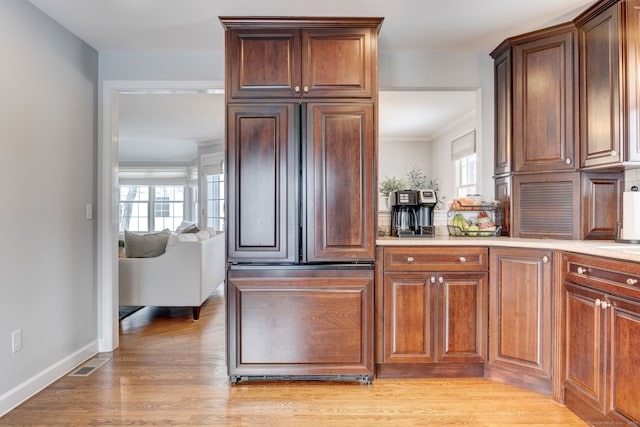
<point>435,259</point>
<point>609,275</point>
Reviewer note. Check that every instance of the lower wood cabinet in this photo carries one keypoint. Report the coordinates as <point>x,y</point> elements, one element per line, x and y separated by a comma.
<point>433,322</point>
<point>602,329</point>
<point>520,318</point>
<point>300,322</point>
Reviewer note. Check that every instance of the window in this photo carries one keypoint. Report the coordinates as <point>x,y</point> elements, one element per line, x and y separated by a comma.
<point>215,201</point>
<point>151,208</point>
<point>463,155</point>
<point>465,170</point>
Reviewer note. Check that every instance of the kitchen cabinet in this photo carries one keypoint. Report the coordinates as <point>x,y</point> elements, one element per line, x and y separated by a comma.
<point>546,205</point>
<point>609,39</point>
<point>601,204</point>
<point>301,180</point>
<point>503,105</point>
<point>602,329</point>
<point>520,318</point>
<point>503,195</point>
<point>434,312</point>
<point>300,321</point>
<point>535,100</point>
<point>544,99</point>
<point>294,58</point>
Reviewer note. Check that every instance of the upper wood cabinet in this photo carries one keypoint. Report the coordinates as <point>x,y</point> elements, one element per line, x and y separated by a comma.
<point>535,101</point>
<point>544,122</point>
<point>609,41</point>
<point>307,57</point>
<point>503,103</point>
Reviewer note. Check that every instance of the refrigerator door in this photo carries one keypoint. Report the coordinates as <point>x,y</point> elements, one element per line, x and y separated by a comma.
<point>338,166</point>
<point>263,177</point>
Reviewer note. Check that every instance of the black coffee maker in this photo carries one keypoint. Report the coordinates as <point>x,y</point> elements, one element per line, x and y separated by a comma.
<point>412,213</point>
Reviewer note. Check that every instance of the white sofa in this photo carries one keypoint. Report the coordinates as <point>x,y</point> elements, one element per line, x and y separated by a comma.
<point>185,275</point>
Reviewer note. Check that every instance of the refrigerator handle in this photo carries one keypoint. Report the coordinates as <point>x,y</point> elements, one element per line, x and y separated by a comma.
<point>301,135</point>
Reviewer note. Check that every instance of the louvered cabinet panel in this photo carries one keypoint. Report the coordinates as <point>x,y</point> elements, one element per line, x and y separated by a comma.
<point>547,205</point>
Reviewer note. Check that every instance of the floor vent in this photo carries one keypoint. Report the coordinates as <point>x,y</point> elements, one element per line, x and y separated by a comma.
<point>89,367</point>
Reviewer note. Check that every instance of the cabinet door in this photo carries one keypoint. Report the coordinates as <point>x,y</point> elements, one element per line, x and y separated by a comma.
<point>625,359</point>
<point>261,183</point>
<point>409,317</point>
<point>502,76</point>
<point>503,195</point>
<point>340,189</point>
<point>546,205</point>
<point>520,311</point>
<point>601,204</point>
<point>543,103</point>
<point>263,63</point>
<point>600,89</point>
<point>462,317</point>
<point>300,322</point>
<point>585,336</point>
<point>336,62</point>
<point>632,40</point>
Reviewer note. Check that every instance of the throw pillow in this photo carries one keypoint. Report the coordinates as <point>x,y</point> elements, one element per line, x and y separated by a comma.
<point>145,245</point>
<point>191,229</point>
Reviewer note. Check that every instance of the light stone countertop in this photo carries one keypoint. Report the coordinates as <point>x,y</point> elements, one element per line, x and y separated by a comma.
<point>603,248</point>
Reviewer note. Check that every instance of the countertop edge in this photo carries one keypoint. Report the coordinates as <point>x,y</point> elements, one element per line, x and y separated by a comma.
<point>602,248</point>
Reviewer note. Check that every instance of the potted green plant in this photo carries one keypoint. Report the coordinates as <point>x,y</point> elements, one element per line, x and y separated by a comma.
<point>387,185</point>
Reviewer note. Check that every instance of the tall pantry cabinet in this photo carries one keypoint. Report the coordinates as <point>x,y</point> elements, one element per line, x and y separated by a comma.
<point>540,94</point>
<point>301,182</point>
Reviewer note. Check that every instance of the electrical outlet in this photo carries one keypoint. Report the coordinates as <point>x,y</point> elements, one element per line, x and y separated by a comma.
<point>16,340</point>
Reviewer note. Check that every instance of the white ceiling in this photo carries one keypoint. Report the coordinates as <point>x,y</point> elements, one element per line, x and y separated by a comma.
<point>164,121</point>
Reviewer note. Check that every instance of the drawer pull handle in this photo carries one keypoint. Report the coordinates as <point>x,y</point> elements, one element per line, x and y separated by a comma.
<point>582,270</point>
<point>463,259</point>
<point>545,259</point>
<point>631,281</point>
<point>409,259</point>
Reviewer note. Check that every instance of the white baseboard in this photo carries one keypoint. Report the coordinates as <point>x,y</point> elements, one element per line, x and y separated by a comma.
<point>38,382</point>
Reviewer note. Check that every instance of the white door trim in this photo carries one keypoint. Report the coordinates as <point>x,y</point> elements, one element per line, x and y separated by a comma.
<point>107,238</point>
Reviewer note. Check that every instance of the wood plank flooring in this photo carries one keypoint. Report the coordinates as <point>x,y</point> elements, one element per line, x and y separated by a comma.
<point>170,370</point>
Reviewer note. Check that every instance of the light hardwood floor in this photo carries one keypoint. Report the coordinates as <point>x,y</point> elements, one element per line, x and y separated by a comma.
<point>170,370</point>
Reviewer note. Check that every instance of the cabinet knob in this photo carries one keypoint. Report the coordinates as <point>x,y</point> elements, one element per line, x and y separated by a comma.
<point>545,259</point>
<point>440,280</point>
<point>598,302</point>
<point>605,305</point>
<point>296,89</point>
<point>409,259</point>
<point>582,270</point>
<point>306,89</point>
<point>614,153</point>
<point>567,161</point>
<point>433,279</point>
<point>463,259</point>
<point>632,281</point>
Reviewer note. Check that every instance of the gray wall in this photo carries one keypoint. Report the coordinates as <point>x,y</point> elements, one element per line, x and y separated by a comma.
<point>48,124</point>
